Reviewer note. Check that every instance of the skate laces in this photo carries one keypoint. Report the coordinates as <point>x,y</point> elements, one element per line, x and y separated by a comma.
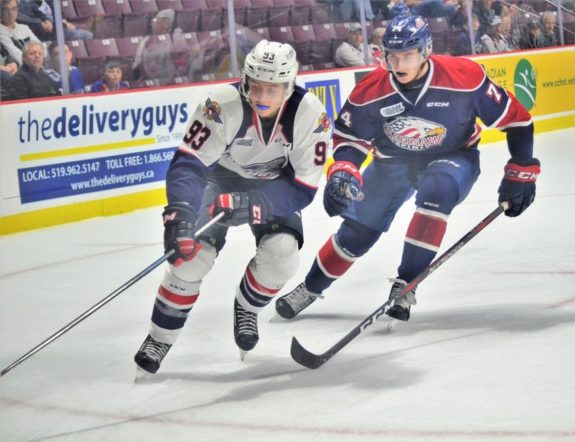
<point>155,350</point>
<point>301,297</point>
<point>247,322</point>
<point>406,300</point>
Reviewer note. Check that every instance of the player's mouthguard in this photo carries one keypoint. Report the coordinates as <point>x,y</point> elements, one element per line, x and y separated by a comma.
<point>262,107</point>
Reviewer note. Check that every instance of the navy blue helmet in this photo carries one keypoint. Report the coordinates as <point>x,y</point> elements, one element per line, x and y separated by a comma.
<point>404,33</point>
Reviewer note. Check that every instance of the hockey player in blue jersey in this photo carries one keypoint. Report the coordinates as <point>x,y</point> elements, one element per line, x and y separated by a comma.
<point>255,151</point>
<point>417,116</point>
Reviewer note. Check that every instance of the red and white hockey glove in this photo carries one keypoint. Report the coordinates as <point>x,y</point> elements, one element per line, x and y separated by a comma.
<point>343,185</point>
<point>518,184</point>
<point>240,208</point>
<point>179,220</point>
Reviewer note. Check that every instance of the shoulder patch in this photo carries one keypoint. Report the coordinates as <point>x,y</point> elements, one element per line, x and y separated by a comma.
<point>323,123</point>
<point>212,110</point>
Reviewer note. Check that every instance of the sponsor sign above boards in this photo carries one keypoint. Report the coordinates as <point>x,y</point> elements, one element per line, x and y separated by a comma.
<point>61,153</point>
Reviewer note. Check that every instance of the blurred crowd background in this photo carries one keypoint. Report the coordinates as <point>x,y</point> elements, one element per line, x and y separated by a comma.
<point>55,47</point>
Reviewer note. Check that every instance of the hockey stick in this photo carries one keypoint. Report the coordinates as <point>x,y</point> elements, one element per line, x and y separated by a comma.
<point>104,301</point>
<point>311,360</point>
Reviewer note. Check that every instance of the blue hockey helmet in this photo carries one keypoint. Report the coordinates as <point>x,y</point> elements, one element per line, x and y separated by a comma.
<point>404,33</point>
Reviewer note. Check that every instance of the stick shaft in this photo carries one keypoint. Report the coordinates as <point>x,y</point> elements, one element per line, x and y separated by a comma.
<point>103,302</point>
<point>311,360</point>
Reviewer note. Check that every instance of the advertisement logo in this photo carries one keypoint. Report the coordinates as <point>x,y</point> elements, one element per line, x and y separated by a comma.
<point>328,93</point>
<point>525,84</point>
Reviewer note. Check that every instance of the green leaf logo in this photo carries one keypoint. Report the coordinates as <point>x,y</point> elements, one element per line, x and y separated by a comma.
<point>525,84</point>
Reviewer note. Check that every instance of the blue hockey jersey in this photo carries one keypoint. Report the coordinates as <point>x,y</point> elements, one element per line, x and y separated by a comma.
<point>379,118</point>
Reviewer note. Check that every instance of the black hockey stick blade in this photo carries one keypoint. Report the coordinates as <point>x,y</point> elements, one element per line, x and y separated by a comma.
<point>313,361</point>
<point>306,358</point>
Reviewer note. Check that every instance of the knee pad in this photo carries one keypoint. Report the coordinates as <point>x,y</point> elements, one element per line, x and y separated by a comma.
<point>276,259</point>
<point>437,192</point>
<point>194,271</point>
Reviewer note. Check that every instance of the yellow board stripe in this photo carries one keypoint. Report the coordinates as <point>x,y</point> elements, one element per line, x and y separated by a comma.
<point>87,149</point>
<point>80,211</point>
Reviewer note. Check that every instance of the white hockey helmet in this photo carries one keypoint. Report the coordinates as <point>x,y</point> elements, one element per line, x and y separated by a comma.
<point>272,62</point>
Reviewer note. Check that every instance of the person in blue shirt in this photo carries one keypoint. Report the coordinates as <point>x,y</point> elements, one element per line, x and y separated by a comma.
<point>75,76</point>
<point>111,80</point>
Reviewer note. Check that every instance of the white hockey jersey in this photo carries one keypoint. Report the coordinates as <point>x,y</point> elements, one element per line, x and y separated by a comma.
<point>225,130</point>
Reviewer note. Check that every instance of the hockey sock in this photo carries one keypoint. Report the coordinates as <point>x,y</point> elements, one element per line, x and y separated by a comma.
<point>330,263</point>
<point>422,241</point>
<point>253,296</point>
<point>170,313</point>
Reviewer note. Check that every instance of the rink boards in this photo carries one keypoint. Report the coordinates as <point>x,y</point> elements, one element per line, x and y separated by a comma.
<point>78,157</point>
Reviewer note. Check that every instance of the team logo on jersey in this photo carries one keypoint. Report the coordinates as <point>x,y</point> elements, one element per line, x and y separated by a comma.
<point>323,122</point>
<point>265,171</point>
<point>212,111</point>
<point>413,133</point>
<point>394,109</point>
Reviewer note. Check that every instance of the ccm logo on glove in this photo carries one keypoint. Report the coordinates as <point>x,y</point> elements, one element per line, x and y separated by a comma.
<point>515,172</point>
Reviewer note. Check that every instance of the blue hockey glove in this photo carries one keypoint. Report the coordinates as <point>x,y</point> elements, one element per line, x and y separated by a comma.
<point>343,185</point>
<point>518,184</point>
<point>240,208</point>
<point>179,220</point>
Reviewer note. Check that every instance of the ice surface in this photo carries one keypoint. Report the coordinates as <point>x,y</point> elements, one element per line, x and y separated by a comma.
<point>488,354</point>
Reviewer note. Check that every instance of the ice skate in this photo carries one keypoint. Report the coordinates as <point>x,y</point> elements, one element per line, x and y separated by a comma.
<point>401,306</point>
<point>150,356</point>
<point>288,306</point>
<point>245,329</point>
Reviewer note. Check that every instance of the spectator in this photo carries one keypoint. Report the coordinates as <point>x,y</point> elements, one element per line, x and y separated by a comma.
<point>7,70</point>
<point>462,42</point>
<point>13,36</point>
<point>533,38</point>
<point>459,20</point>
<point>376,45</point>
<point>351,10</point>
<point>485,13</point>
<point>433,8</point>
<point>111,80</point>
<point>492,41</point>
<point>29,14</point>
<point>350,52</point>
<point>71,32</point>
<point>75,76</point>
<point>548,21</point>
<point>507,32</point>
<point>31,80</point>
<point>398,8</point>
<point>154,55</point>
<point>381,8</point>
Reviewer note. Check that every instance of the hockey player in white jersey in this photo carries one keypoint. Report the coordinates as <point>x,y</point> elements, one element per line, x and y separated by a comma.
<point>254,150</point>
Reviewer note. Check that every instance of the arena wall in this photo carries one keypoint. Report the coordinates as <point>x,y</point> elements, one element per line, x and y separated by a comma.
<point>77,157</point>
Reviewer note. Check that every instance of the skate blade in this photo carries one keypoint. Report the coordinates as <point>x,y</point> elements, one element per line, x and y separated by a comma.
<point>243,354</point>
<point>141,376</point>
